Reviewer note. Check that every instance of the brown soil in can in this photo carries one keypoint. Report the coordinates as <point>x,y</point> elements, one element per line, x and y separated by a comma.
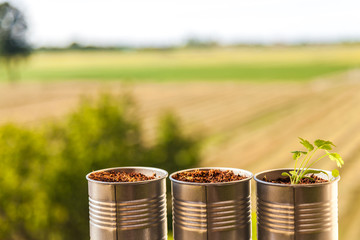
<point>208,176</point>
<point>302,181</point>
<point>120,176</point>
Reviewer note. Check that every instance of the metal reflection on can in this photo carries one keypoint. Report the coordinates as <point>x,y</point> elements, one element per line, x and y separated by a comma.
<point>212,211</point>
<point>296,212</point>
<point>128,210</point>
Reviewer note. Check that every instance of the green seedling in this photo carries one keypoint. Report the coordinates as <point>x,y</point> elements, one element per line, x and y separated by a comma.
<point>307,161</point>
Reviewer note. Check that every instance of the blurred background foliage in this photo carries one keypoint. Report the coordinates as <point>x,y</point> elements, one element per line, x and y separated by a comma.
<point>13,42</point>
<point>43,188</point>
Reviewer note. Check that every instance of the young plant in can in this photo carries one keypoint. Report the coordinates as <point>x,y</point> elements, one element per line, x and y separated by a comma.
<point>307,160</point>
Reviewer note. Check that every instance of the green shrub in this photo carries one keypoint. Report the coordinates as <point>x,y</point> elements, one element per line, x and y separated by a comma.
<point>23,199</point>
<point>43,187</point>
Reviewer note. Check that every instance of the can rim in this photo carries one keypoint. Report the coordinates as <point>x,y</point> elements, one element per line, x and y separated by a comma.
<point>157,170</point>
<point>294,185</point>
<point>248,175</point>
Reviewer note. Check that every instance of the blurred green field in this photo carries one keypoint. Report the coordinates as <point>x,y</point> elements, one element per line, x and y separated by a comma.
<point>260,64</point>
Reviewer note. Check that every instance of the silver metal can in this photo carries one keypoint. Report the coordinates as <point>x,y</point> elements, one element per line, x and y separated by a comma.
<point>212,211</point>
<point>128,210</point>
<point>296,212</point>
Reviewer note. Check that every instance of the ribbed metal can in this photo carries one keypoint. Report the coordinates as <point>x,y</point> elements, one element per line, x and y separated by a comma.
<point>212,211</point>
<point>296,212</point>
<point>128,210</point>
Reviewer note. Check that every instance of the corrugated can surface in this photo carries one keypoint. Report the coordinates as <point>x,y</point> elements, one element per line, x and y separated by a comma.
<point>212,211</point>
<point>129,211</point>
<point>296,212</point>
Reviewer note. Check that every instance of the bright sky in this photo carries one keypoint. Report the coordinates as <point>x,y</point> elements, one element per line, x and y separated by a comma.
<point>166,22</point>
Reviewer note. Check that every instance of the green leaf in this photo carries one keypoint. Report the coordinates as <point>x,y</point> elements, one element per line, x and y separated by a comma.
<point>293,173</point>
<point>285,174</point>
<point>315,171</point>
<point>297,154</point>
<point>319,142</point>
<point>310,178</point>
<point>335,173</point>
<point>337,158</point>
<point>326,147</point>
<point>311,171</point>
<point>306,144</point>
<point>322,144</point>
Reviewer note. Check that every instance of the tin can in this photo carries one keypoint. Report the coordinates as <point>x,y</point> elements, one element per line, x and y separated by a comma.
<point>296,212</point>
<point>212,211</point>
<point>128,210</point>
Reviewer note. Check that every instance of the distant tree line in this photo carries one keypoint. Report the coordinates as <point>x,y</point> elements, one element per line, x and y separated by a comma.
<point>192,43</point>
<point>77,46</point>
